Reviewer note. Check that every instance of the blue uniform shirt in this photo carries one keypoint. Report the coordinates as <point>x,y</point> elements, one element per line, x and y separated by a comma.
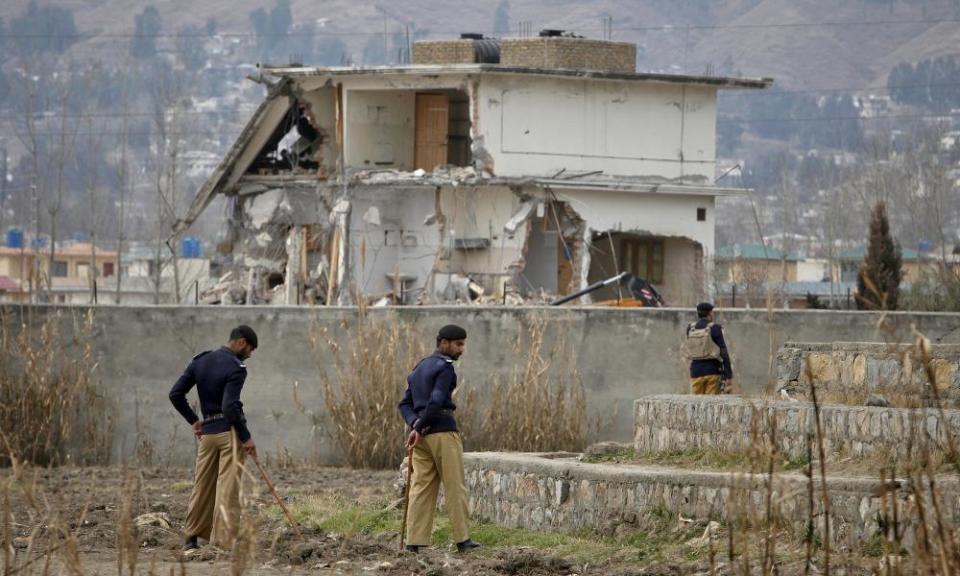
<point>427,405</point>
<point>219,376</point>
<point>710,366</point>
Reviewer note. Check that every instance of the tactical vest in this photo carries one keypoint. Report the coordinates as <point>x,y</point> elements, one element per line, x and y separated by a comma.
<point>699,345</point>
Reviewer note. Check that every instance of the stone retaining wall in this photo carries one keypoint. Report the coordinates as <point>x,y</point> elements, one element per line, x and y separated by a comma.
<point>538,493</point>
<point>860,368</point>
<point>674,423</point>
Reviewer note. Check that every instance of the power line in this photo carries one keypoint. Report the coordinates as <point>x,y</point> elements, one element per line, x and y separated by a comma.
<point>660,27</point>
<point>837,118</point>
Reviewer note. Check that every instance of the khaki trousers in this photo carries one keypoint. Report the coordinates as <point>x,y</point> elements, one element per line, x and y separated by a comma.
<point>437,458</point>
<point>214,512</point>
<point>705,384</point>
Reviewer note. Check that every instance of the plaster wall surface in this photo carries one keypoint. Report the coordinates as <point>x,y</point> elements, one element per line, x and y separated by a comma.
<point>622,354</point>
<point>538,126</point>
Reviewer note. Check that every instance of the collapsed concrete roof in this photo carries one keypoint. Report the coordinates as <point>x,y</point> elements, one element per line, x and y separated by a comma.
<point>479,69</point>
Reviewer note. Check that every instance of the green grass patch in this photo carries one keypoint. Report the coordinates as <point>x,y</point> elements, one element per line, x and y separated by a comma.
<point>332,514</point>
<point>659,540</point>
<point>180,486</point>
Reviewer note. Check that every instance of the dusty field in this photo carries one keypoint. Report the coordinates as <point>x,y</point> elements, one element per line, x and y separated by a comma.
<point>349,524</point>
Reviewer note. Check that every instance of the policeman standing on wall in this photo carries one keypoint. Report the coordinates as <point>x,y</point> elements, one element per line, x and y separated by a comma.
<point>214,511</point>
<point>428,407</point>
<point>705,349</point>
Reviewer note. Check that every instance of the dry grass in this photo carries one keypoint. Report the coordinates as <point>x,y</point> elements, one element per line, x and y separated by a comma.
<point>364,387</point>
<point>52,409</point>
<point>541,404</point>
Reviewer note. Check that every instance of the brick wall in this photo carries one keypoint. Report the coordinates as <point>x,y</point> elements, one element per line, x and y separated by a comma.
<point>569,53</point>
<point>443,52</point>
<point>554,52</point>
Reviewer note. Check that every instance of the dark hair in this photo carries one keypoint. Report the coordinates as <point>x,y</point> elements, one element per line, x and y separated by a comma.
<point>451,332</point>
<point>245,332</point>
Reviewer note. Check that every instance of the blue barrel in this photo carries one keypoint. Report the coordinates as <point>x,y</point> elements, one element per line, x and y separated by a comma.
<point>14,238</point>
<point>79,237</point>
<point>39,242</point>
<point>190,247</point>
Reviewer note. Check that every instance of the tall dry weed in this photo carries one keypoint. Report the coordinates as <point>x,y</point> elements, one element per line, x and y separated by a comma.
<point>363,387</point>
<point>539,406</point>
<point>52,408</point>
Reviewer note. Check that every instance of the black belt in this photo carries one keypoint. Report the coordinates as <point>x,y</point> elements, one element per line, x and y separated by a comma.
<point>444,412</point>
<point>212,418</point>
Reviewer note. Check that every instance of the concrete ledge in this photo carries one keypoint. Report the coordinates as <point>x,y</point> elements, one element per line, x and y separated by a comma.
<point>860,368</point>
<point>674,423</point>
<point>536,493</point>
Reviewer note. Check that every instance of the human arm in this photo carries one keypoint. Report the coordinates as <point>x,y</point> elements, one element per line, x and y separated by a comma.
<point>178,395</point>
<point>232,407</point>
<point>716,333</point>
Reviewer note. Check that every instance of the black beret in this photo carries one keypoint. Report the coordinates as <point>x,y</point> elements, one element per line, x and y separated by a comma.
<point>704,307</point>
<point>247,333</point>
<point>451,332</point>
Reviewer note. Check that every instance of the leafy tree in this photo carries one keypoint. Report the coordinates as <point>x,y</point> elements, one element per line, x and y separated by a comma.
<point>146,27</point>
<point>501,19</point>
<point>878,282</point>
<point>47,29</point>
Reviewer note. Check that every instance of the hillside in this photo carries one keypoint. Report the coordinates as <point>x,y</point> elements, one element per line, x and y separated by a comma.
<point>786,39</point>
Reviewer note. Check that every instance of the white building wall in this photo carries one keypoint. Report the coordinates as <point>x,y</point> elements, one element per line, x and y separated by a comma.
<point>538,126</point>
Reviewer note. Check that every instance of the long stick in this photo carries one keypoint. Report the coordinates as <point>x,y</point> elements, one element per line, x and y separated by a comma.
<point>406,496</point>
<point>276,497</point>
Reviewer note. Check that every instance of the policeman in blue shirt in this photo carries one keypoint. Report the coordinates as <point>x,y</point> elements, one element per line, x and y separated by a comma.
<point>706,350</point>
<point>427,407</point>
<point>214,510</point>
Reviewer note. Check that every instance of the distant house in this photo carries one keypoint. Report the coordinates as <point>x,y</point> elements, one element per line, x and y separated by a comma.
<point>72,277</point>
<point>753,263</point>
<point>847,264</point>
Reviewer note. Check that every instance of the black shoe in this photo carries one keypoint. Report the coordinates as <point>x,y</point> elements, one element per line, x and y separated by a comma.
<point>190,545</point>
<point>467,545</point>
<point>412,548</point>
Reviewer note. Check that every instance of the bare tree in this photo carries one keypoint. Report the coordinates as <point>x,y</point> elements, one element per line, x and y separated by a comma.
<point>168,120</point>
<point>123,182</point>
<point>28,134</point>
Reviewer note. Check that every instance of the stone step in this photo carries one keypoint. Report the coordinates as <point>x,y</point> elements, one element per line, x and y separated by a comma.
<point>675,423</point>
<point>536,492</point>
<point>856,369</point>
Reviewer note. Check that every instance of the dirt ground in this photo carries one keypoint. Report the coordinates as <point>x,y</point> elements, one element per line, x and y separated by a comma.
<point>90,503</point>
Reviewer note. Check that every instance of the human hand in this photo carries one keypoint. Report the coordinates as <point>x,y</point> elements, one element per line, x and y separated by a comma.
<point>250,448</point>
<point>413,439</point>
<point>197,429</point>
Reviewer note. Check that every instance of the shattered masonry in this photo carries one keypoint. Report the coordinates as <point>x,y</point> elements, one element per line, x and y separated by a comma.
<point>470,182</point>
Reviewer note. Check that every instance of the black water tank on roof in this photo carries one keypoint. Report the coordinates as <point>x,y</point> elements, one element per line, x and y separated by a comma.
<point>471,36</point>
<point>551,33</point>
<point>486,51</point>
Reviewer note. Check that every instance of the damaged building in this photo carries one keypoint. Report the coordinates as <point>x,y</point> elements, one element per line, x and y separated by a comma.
<point>491,170</point>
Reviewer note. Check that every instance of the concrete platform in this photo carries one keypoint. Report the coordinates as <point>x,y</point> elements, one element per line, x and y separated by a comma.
<point>674,423</point>
<point>537,492</point>
<point>856,369</point>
